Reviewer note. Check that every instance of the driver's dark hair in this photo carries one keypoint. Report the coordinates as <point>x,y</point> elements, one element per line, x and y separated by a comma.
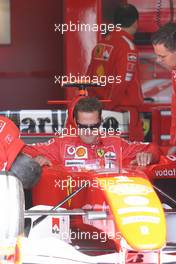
<point>166,35</point>
<point>26,170</point>
<point>126,15</point>
<point>87,104</point>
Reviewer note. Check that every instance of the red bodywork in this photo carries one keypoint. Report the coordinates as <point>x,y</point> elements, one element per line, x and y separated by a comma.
<point>49,189</point>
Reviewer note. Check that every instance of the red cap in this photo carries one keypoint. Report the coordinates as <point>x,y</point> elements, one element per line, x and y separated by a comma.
<point>10,143</point>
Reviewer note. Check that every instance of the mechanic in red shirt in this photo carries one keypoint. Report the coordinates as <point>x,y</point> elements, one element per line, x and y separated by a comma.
<point>164,43</point>
<point>10,143</point>
<point>116,56</point>
<point>88,147</point>
<point>11,157</point>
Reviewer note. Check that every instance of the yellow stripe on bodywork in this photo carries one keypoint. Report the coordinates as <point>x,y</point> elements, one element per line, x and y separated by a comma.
<point>137,211</point>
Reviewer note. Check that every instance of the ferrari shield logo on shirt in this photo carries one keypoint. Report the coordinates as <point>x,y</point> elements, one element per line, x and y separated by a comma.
<point>55,225</point>
<point>100,153</point>
<point>2,125</point>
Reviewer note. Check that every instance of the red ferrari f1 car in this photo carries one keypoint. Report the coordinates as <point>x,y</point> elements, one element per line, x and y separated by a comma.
<point>101,216</point>
<point>120,205</point>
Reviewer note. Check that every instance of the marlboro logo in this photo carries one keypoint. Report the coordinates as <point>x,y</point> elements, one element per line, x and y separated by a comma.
<point>103,51</point>
<point>55,225</point>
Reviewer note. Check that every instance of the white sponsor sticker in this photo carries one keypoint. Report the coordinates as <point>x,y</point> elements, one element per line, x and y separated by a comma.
<point>136,200</point>
<point>138,209</point>
<point>132,57</point>
<point>123,179</point>
<point>110,155</point>
<point>73,163</point>
<point>141,218</point>
<point>128,76</point>
<point>130,189</point>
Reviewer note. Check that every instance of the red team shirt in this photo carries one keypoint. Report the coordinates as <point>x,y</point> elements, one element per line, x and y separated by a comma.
<point>71,152</point>
<point>116,55</point>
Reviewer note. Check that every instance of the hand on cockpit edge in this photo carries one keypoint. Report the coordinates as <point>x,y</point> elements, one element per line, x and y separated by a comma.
<point>43,161</point>
<point>142,159</point>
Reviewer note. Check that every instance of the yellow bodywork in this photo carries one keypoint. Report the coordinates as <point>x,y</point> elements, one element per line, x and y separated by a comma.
<point>137,211</point>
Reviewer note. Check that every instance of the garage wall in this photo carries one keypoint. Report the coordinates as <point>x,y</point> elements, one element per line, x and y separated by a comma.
<point>29,63</point>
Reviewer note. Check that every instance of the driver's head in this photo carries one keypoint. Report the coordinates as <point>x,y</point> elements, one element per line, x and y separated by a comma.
<point>87,116</point>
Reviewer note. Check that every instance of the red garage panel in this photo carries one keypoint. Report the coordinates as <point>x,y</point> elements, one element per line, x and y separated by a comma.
<point>79,44</point>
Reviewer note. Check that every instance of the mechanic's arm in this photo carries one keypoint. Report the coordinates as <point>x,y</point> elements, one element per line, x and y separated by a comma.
<point>46,154</point>
<point>43,161</point>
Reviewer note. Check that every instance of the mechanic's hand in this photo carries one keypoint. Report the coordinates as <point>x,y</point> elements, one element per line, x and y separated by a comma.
<point>142,159</point>
<point>172,151</point>
<point>43,161</point>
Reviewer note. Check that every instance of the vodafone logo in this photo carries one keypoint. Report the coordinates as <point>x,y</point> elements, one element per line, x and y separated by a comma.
<point>165,173</point>
<point>71,150</point>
